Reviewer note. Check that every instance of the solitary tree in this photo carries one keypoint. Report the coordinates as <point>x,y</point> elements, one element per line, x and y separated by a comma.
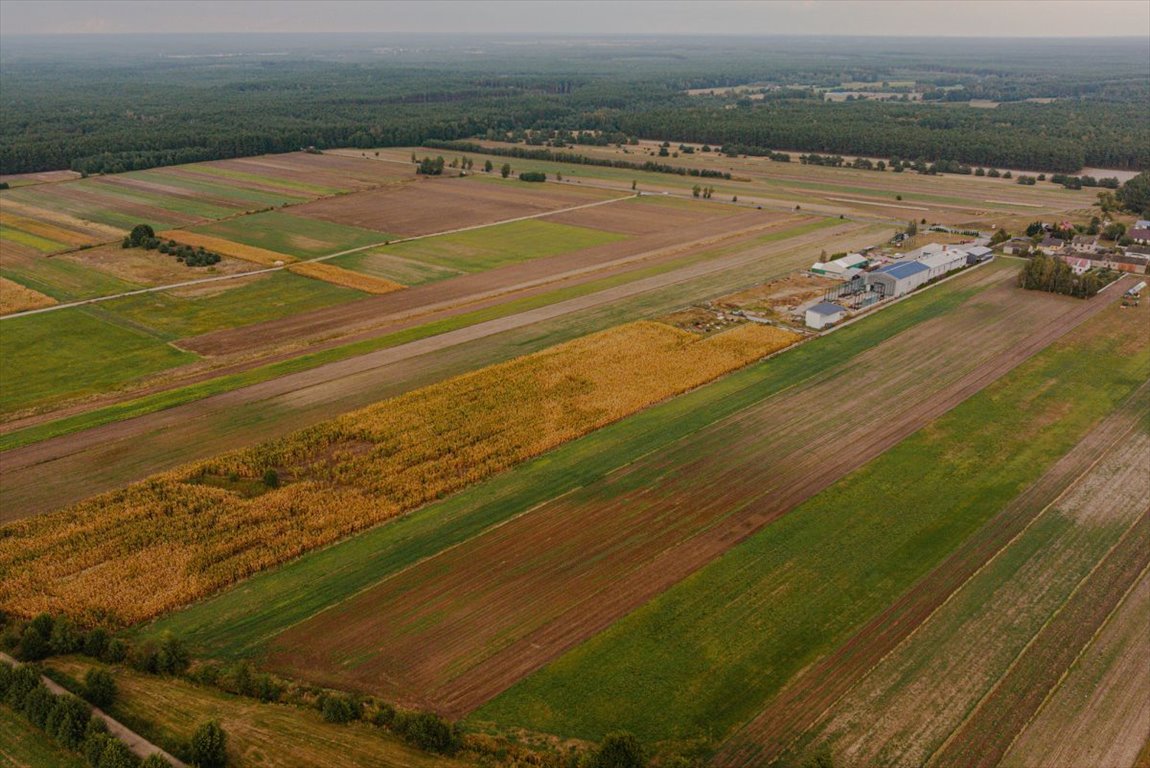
<point>487,167</point>
<point>505,171</point>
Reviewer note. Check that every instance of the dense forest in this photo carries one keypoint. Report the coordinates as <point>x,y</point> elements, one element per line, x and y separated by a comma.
<point>108,105</point>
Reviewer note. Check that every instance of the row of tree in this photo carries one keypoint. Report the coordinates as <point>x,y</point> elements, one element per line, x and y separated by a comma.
<point>1054,275</point>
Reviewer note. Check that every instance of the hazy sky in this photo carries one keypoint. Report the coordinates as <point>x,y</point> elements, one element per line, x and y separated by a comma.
<point>974,18</point>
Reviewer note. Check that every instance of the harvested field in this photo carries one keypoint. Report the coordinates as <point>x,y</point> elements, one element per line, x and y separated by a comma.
<point>237,622</point>
<point>330,273</point>
<point>305,171</point>
<point>224,247</point>
<point>501,281</point>
<point>1099,714</point>
<point>586,559</point>
<point>439,205</point>
<point>642,216</point>
<point>167,711</point>
<point>984,737</point>
<point>357,375</point>
<point>345,475</point>
<point>16,298</point>
<point>811,694</point>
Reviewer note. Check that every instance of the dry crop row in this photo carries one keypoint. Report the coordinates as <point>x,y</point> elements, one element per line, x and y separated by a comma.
<point>330,273</point>
<point>228,248</point>
<point>16,298</point>
<point>132,554</point>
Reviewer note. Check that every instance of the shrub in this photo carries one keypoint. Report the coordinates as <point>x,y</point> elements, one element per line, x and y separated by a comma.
<point>209,746</point>
<point>427,731</point>
<point>115,652</point>
<point>272,479</point>
<point>65,637</point>
<point>155,761</point>
<point>23,680</point>
<point>338,709</point>
<point>96,643</point>
<point>33,644</point>
<point>384,714</point>
<point>533,176</point>
<point>38,705</point>
<point>116,755</point>
<point>95,736</point>
<point>69,721</point>
<point>619,750</point>
<point>99,687</point>
<point>6,673</point>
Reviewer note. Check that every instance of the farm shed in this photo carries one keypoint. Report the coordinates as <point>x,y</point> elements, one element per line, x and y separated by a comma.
<point>1016,245</point>
<point>976,254</point>
<point>899,279</point>
<point>823,314</point>
<point>842,268</point>
<point>946,260</point>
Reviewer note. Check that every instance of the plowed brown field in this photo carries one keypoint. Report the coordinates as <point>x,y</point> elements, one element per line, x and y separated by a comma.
<point>457,629</point>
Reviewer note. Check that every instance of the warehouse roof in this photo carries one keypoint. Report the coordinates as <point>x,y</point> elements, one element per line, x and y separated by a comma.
<point>827,308</point>
<point>904,269</point>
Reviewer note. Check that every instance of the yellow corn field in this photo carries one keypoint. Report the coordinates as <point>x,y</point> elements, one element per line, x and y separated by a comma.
<point>330,273</point>
<point>16,298</point>
<point>227,247</point>
<point>133,554</point>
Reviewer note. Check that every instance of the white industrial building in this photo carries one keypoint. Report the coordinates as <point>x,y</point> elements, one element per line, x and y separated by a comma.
<point>898,279</point>
<point>941,262</point>
<point>843,268</point>
<point>823,314</point>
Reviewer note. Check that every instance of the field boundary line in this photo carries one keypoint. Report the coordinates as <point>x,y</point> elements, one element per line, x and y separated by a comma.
<point>1105,452</point>
<point>1081,652</point>
<point>941,748</point>
<point>266,270</point>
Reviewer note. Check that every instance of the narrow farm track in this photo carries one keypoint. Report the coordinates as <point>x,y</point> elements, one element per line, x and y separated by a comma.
<point>802,704</point>
<point>53,473</point>
<point>455,630</point>
<point>984,738</point>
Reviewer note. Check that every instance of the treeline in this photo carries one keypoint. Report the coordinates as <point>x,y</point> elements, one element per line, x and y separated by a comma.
<point>108,117</point>
<point>1051,137</point>
<point>1053,275</point>
<point>574,158</point>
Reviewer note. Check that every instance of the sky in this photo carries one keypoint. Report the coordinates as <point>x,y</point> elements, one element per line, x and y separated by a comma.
<point>952,18</point>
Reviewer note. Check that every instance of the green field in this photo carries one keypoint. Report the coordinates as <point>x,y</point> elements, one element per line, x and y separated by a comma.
<point>25,746</point>
<point>247,198</point>
<point>238,622</point>
<point>490,247</point>
<point>64,280</point>
<point>304,189</point>
<point>42,244</point>
<point>706,655</point>
<point>75,352</point>
<point>249,300</point>
<point>293,235</point>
